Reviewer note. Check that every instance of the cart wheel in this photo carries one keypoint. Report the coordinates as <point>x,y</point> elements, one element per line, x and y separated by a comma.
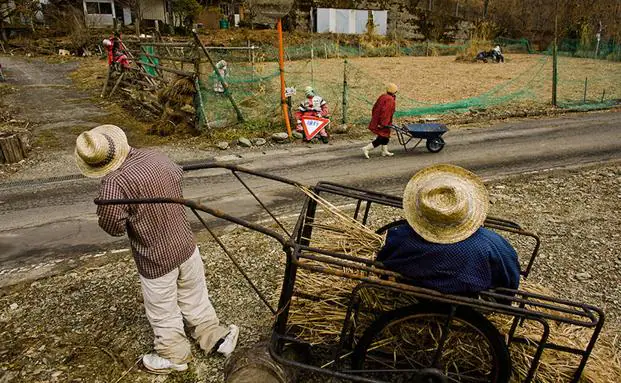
<point>403,346</point>
<point>434,145</point>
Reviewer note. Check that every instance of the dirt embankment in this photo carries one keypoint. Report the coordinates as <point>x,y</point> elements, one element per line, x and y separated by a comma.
<point>89,326</point>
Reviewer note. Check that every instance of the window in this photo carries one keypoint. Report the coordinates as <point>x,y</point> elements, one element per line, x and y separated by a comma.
<point>105,8</point>
<point>96,8</point>
<point>92,8</point>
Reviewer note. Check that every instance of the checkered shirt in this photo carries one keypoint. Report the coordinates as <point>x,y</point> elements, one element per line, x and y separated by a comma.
<point>159,234</point>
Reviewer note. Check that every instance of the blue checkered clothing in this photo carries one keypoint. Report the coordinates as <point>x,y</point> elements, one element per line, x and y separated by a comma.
<point>484,260</point>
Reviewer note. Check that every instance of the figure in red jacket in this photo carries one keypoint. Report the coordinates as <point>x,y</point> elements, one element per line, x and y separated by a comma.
<point>116,52</point>
<point>381,119</point>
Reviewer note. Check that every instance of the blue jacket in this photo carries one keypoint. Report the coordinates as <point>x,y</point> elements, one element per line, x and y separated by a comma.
<point>484,260</point>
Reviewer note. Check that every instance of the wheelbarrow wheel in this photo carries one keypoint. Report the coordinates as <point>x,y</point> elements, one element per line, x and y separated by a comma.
<point>434,145</point>
<point>405,345</point>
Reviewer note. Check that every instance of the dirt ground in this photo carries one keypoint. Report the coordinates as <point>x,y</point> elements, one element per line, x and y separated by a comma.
<point>89,326</point>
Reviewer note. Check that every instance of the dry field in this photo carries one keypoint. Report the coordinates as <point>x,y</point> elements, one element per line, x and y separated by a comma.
<point>88,325</point>
<point>521,86</point>
<point>523,82</point>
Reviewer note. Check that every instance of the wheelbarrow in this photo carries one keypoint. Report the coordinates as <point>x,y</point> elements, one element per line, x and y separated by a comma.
<point>432,133</point>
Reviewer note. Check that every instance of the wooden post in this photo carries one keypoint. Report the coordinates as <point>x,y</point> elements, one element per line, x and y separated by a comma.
<point>13,148</point>
<point>201,119</point>
<point>105,87</point>
<point>312,65</point>
<point>252,58</point>
<point>345,92</point>
<point>325,49</point>
<point>116,85</point>
<point>281,61</point>
<point>586,81</point>
<point>603,95</point>
<point>555,63</point>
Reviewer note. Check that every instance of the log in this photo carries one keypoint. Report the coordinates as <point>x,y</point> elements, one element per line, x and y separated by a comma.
<point>255,364</point>
<point>13,147</point>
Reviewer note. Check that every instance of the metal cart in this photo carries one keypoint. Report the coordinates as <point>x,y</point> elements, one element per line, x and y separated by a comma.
<point>388,348</point>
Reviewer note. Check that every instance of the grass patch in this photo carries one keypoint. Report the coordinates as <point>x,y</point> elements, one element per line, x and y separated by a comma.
<point>91,74</point>
<point>49,140</point>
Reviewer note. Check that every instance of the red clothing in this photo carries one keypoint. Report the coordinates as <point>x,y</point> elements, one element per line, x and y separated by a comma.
<point>381,115</point>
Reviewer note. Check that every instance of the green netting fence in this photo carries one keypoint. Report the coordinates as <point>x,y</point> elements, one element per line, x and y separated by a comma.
<point>431,86</point>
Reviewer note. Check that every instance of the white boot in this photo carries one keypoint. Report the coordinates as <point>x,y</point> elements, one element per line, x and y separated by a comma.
<point>367,148</point>
<point>385,152</point>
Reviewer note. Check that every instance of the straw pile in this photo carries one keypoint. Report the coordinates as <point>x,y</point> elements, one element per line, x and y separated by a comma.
<point>604,364</point>
<point>177,101</point>
<point>339,233</point>
<point>319,321</point>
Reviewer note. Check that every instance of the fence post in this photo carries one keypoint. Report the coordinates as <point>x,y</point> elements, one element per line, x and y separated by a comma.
<point>345,92</point>
<point>586,80</point>
<point>325,50</point>
<point>554,63</point>
<point>312,64</point>
<point>201,119</point>
<point>603,95</point>
<point>252,60</point>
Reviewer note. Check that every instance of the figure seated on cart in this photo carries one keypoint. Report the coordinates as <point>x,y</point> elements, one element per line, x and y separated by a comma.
<point>444,246</point>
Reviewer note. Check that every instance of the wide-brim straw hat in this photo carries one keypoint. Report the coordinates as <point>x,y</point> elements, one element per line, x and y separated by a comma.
<point>445,203</point>
<point>101,150</point>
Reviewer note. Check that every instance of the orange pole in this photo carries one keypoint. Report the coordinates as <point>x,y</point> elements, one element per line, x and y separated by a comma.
<point>281,62</point>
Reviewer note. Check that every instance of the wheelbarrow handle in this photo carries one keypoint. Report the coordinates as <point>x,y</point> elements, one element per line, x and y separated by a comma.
<point>194,205</point>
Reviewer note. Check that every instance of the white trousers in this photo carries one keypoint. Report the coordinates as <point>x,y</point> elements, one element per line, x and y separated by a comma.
<point>177,296</point>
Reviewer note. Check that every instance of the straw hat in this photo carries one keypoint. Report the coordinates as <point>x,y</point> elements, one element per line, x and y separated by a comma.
<point>101,150</point>
<point>391,88</point>
<point>445,203</point>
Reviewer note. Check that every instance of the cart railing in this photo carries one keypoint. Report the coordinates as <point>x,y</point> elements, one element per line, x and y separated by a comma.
<point>521,305</point>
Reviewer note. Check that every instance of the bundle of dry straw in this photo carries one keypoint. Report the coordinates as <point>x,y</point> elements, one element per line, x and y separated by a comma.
<point>320,320</point>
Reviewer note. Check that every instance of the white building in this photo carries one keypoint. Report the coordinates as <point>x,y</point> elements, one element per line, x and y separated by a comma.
<point>102,13</point>
<point>350,21</point>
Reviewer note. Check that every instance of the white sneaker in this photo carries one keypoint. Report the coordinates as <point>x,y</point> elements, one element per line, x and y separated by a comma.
<point>230,341</point>
<point>159,365</point>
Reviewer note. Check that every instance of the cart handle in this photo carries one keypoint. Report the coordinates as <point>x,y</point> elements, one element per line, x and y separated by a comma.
<point>194,205</point>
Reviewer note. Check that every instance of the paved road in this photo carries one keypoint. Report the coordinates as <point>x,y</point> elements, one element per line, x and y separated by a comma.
<point>55,220</point>
<point>47,96</point>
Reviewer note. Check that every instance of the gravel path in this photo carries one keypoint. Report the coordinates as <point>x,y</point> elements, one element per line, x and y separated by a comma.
<point>88,325</point>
